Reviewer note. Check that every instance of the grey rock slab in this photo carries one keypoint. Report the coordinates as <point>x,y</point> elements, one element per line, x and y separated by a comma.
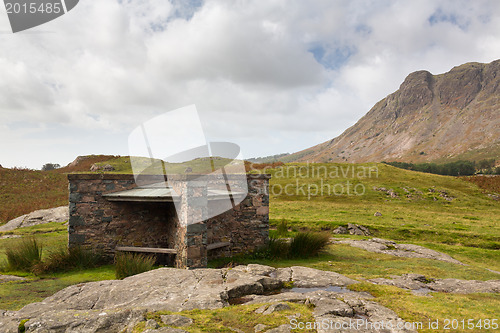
<point>58,214</point>
<point>10,236</point>
<point>305,277</point>
<point>332,306</point>
<point>9,324</point>
<point>465,286</point>
<point>282,297</point>
<point>83,321</point>
<point>176,320</point>
<point>285,328</point>
<point>165,330</point>
<point>9,278</point>
<point>259,327</point>
<point>261,309</point>
<point>256,269</point>
<point>408,281</point>
<point>366,317</point>
<point>117,305</point>
<point>167,289</point>
<point>151,324</point>
<point>384,246</point>
<point>276,308</point>
<point>421,283</point>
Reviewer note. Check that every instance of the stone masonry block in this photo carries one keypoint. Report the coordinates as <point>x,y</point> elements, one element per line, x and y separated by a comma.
<point>76,221</point>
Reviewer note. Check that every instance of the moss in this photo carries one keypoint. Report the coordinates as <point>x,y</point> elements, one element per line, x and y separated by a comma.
<point>21,328</point>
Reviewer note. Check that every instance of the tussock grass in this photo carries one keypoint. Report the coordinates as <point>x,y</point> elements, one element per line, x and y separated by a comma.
<point>307,244</point>
<point>128,264</point>
<point>301,245</point>
<point>24,254</point>
<point>64,259</point>
<point>282,229</point>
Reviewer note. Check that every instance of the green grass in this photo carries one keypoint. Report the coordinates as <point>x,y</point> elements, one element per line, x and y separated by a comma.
<point>199,165</point>
<point>440,306</point>
<point>127,264</point>
<point>418,218</point>
<point>14,295</point>
<point>467,228</point>
<point>241,317</point>
<point>360,264</point>
<point>51,236</point>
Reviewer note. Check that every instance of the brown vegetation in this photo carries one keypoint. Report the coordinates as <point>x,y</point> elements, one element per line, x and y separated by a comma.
<point>490,183</point>
<point>23,191</point>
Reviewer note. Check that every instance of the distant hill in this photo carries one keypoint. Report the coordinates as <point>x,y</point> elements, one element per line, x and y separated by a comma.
<point>268,159</point>
<point>437,118</point>
<point>83,163</point>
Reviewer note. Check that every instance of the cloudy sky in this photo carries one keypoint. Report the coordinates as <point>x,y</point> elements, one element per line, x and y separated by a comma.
<point>273,76</point>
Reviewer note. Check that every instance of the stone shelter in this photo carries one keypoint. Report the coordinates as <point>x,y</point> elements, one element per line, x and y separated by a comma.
<point>110,213</point>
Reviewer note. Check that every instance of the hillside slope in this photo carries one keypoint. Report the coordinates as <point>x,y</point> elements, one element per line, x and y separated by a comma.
<point>430,118</point>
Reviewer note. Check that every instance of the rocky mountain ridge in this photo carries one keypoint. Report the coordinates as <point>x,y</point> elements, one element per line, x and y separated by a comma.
<point>429,118</point>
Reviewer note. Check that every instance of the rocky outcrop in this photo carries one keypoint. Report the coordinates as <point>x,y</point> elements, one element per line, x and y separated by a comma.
<point>423,285</point>
<point>8,278</point>
<point>106,168</point>
<point>117,305</point>
<point>58,214</point>
<point>353,229</point>
<point>341,312</point>
<point>379,245</point>
<point>428,118</point>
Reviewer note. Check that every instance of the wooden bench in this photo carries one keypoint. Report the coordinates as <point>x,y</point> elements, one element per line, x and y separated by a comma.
<point>214,246</point>
<point>145,249</point>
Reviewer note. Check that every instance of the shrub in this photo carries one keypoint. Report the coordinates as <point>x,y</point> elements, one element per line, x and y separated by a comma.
<point>24,254</point>
<point>127,264</point>
<point>307,244</point>
<point>64,259</point>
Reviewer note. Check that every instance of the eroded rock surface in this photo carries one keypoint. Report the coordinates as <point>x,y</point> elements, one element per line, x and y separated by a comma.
<point>114,305</point>
<point>353,229</point>
<point>340,312</point>
<point>379,245</point>
<point>423,285</point>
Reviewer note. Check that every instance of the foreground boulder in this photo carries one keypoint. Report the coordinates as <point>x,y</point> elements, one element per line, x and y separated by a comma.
<point>119,305</point>
<point>116,305</point>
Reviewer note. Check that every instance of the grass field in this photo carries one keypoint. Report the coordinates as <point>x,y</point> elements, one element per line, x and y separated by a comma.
<point>447,214</point>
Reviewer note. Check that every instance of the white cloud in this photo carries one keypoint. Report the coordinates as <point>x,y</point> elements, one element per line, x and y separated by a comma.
<point>273,76</point>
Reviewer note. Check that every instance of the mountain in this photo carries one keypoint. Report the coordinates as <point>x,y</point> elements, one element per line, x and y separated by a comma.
<point>455,115</point>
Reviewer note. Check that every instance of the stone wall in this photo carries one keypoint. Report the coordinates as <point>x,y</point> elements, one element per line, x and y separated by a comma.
<point>100,224</point>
